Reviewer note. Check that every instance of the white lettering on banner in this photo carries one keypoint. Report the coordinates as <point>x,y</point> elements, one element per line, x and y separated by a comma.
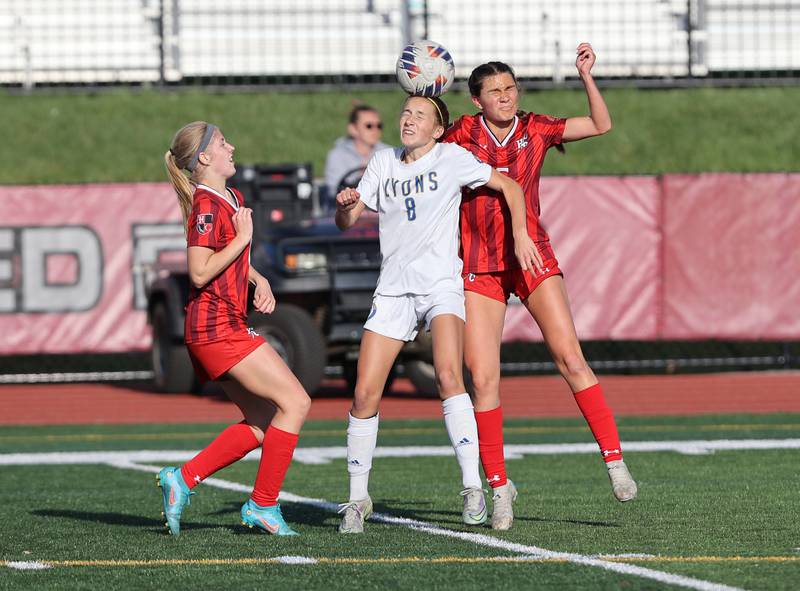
<point>39,243</point>
<point>149,241</point>
<point>8,296</point>
<point>31,291</point>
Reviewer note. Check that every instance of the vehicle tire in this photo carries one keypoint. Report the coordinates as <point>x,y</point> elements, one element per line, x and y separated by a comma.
<point>291,331</point>
<point>350,370</point>
<point>423,376</point>
<point>172,369</point>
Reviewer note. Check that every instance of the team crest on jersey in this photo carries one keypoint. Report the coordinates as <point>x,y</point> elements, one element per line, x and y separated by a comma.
<point>205,222</point>
<point>522,143</point>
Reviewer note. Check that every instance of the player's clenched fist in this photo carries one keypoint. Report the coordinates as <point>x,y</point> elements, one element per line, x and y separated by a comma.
<point>585,59</point>
<point>347,199</point>
<point>243,223</point>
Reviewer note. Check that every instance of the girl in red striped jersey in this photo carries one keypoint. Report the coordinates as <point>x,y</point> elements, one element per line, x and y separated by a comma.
<point>274,404</point>
<point>516,143</point>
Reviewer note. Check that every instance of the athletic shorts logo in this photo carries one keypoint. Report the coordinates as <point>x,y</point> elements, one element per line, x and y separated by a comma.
<point>471,277</point>
<point>205,222</point>
<point>372,312</point>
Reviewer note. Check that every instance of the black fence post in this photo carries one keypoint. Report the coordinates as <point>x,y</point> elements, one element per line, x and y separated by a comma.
<point>162,66</point>
<point>689,44</point>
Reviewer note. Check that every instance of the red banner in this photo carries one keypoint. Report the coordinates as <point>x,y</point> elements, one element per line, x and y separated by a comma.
<point>683,257</point>
<point>71,264</point>
<point>606,236</point>
<point>731,256</point>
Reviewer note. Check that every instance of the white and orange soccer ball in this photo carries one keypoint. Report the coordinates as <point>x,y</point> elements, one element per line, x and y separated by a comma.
<point>425,68</point>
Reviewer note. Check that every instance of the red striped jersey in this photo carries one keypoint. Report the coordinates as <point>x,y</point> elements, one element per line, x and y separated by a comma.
<point>220,306</point>
<point>487,243</point>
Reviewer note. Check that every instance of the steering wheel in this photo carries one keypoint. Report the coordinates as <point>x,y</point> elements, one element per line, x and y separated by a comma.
<point>350,179</point>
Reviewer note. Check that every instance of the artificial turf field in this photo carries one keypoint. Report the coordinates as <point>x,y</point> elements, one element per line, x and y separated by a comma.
<point>713,515</point>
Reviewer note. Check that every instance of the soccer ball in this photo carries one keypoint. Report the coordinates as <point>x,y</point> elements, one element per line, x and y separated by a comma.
<point>425,68</point>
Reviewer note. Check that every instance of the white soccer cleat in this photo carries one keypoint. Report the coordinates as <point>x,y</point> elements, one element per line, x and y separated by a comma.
<point>622,484</point>
<point>355,513</point>
<point>503,510</point>
<point>474,506</point>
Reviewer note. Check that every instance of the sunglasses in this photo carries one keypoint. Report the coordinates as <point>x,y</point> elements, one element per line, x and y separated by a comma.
<point>373,125</point>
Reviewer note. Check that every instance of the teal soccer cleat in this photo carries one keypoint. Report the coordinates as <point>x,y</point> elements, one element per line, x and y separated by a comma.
<point>267,518</point>
<point>176,496</point>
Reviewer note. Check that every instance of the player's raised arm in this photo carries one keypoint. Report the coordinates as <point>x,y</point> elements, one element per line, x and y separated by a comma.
<point>348,208</point>
<point>599,120</point>
<point>524,247</point>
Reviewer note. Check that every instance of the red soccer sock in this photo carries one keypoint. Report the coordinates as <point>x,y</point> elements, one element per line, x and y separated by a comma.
<point>276,455</point>
<point>490,444</point>
<point>598,415</point>
<point>235,442</point>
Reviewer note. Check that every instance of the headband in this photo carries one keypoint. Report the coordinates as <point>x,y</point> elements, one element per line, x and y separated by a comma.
<point>438,110</point>
<point>203,145</point>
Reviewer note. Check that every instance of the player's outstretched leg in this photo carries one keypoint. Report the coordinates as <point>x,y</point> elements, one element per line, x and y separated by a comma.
<point>176,495</point>
<point>601,421</point>
<point>502,506</point>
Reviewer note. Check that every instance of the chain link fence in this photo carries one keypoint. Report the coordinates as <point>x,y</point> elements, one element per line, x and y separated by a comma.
<point>325,42</point>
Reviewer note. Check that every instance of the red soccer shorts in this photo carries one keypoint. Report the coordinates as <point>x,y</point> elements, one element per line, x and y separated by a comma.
<point>211,360</point>
<point>501,284</point>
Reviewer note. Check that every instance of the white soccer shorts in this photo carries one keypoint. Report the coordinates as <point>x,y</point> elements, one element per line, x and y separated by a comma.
<point>400,317</point>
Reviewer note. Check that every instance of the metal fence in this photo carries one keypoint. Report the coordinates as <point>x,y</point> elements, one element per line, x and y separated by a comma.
<point>315,42</point>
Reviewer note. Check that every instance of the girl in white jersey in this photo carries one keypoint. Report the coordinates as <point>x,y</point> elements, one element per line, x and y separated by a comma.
<point>416,191</point>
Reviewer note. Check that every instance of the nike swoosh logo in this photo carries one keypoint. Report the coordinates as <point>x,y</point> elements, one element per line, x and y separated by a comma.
<point>272,528</point>
<point>172,496</point>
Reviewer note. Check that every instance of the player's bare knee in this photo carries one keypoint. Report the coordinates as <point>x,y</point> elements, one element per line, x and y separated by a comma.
<point>449,380</point>
<point>366,399</point>
<point>303,404</point>
<point>485,383</point>
<point>572,365</point>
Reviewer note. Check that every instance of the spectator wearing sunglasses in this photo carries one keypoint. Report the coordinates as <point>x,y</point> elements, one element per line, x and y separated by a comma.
<point>348,158</point>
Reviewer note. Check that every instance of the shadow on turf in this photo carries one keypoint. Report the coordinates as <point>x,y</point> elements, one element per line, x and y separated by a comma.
<point>454,517</point>
<point>123,519</point>
<point>292,512</point>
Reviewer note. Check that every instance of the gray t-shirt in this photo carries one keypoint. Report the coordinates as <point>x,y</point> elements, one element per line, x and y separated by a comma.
<point>342,159</point>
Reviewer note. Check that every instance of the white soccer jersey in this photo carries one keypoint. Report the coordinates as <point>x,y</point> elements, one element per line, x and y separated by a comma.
<point>418,207</point>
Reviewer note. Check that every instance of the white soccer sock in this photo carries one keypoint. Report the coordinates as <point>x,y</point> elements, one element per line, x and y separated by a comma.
<point>459,418</point>
<point>362,435</point>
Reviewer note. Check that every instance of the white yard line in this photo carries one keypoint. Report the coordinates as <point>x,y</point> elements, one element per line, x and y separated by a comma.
<point>477,539</point>
<point>324,455</point>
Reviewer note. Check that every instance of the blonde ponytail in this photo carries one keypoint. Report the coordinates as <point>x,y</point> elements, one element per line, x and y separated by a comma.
<point>183,188</point>
<point>185,146</point>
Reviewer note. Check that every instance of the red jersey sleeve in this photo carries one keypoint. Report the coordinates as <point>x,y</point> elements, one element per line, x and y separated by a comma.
<point>550,129</point>
<point>204,224</point>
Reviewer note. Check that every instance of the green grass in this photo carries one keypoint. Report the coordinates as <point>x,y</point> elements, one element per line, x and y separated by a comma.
<point>718,506</point>
<point>122,135</point>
